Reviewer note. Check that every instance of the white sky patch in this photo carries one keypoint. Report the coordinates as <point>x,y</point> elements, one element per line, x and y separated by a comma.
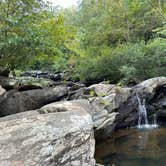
<point>64,3</point>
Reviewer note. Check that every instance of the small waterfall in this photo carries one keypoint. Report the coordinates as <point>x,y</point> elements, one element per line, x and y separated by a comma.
<point>142,115</point>
<point>142,119</point>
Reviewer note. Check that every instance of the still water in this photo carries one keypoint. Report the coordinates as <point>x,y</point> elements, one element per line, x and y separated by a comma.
<point>134,147</point>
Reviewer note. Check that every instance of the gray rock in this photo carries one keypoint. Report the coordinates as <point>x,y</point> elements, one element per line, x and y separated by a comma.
<point>95,90</point>
<point>24,83</point>
<point>103,89</point>
<point>61,139</point>
<point>107,106</point>
<point>14,102</point>
<point>2,90</point>
<point>102,119</point>
<point>63,106</point>
<point>149,86</point>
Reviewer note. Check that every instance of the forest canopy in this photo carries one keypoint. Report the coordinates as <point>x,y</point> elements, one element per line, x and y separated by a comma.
<point>120,41</point>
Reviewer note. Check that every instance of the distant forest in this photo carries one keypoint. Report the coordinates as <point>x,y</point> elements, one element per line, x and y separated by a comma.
<point>120,41</point>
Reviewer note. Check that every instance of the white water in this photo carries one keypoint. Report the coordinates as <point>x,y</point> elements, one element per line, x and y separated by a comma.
<point>143,119</point>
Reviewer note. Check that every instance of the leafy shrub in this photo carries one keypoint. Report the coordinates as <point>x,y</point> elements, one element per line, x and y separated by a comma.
<point>127,63</point>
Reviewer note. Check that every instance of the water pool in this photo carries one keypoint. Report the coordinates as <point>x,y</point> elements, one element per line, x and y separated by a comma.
<point>134,147</point>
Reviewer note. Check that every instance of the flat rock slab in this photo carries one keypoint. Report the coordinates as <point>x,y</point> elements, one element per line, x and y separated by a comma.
<point>53,139</point>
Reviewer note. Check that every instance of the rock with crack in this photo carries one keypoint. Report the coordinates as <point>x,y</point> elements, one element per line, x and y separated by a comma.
<point>102,119</point>
<point>60,138</point>
<point>14,102</point>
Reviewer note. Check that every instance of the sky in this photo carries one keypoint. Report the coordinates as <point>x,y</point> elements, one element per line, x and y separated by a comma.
<point>64,3</point>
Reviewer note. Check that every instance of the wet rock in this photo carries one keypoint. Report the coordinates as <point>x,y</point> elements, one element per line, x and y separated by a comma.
<point>34,139</point>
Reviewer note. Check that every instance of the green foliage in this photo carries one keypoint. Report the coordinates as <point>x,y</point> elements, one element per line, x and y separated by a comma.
<point>123,46</point>
<point>127,63</point>
<point>29,30</point>
<point>110,22</point>
<point>121,41</point>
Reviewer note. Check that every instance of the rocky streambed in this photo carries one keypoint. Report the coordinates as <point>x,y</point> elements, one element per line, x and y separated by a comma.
<point>58,124</point>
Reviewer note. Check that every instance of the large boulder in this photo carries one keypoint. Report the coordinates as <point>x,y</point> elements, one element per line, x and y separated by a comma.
<point>150,85</point>
<point>14,101</point>
<point>156,100</point>
<point>102,119</point>
<point>49,139</point>
<point>148,88</point>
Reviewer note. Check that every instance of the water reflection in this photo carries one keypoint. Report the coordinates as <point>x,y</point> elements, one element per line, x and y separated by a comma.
<point>134,147</point>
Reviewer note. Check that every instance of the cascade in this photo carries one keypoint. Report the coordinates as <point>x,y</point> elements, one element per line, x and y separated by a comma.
<point>142,115</point>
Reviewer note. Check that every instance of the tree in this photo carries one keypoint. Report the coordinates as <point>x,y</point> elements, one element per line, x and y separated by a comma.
<point>115,39</point>
<point>110,22</point>
<point>28,29</point>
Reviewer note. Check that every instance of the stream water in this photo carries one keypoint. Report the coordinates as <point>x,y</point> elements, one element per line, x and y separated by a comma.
<point>143,121</point>
<point>134,147</point>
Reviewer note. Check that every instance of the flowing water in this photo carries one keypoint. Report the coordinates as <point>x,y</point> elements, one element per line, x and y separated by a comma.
<point>134,147</point>
<point>142,116</point>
